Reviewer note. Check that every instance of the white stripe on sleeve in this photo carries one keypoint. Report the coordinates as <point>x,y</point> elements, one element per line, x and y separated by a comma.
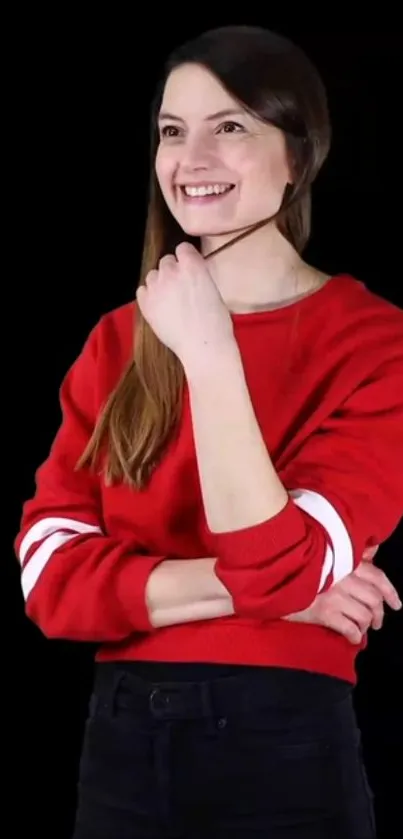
<point>52,533</point>
<point>339,557</point>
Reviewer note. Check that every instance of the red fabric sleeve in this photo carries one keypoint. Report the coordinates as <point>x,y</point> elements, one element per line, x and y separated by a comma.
<point>78,582</point>
<point>345,485</point>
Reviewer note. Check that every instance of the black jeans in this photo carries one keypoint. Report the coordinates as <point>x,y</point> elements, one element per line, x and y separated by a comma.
<point>262,753</point>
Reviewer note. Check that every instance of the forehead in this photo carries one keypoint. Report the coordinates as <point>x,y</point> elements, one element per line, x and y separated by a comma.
<point>191,90</point>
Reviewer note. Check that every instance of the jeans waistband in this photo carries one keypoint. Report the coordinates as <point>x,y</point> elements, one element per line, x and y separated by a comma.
<point>117,688</point>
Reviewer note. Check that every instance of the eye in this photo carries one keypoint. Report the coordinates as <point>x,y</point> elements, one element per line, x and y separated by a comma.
<point>231,128</point>
<point>169,131</point>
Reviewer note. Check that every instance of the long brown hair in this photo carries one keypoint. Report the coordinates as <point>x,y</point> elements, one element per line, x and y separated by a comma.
<point>275,81</point>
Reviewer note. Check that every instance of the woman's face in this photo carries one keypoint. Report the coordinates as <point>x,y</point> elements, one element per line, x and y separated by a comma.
<point>220,169</point>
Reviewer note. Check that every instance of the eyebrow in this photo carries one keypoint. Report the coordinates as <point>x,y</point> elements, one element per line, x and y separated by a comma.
<point>228,112</point>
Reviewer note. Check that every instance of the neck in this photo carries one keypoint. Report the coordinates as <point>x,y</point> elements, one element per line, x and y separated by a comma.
<point>260,269</point>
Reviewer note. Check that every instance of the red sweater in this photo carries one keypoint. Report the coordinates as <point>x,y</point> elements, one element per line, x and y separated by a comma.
<point>325,376</point>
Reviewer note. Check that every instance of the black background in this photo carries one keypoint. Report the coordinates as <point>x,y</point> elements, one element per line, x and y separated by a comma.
<point>77,210</point>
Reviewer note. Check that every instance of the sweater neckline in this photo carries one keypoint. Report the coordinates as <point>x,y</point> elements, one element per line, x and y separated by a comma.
<point>320,296</point>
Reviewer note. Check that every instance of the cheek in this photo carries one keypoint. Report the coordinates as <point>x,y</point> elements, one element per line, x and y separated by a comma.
<point>164,170</point>
<point>266,176</point>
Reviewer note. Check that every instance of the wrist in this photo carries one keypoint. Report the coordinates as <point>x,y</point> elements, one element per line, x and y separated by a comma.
<point>215,361</point>
<point>186,590</point>
<point>175,582</point>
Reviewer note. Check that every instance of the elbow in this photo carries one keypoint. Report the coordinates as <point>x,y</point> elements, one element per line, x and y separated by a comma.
<point>47,618</point>
<point>274,586</point>
<point>255,597</point>
<point>58,616</point>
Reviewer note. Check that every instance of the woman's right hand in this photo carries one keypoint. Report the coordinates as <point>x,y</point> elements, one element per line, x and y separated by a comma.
<point>355,604</point>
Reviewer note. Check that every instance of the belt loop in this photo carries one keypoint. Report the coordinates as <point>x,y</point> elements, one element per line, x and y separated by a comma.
<point>118,678</point>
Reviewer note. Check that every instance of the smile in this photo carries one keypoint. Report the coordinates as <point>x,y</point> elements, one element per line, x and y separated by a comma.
<point>205,192</point>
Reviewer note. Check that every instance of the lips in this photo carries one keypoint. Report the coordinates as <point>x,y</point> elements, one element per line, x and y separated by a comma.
<point>202,190</point>
<point>204,193</point>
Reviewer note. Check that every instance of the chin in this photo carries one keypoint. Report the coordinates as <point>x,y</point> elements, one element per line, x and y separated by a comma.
<point>202,230</point>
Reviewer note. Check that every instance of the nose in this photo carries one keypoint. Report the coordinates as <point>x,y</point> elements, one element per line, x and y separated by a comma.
<point>197,153</point>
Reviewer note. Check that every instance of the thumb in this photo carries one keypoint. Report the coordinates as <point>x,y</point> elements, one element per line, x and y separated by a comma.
<point>369,553</point>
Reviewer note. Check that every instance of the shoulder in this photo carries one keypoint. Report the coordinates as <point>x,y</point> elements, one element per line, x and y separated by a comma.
<point>115,328</point>
<point>348,346</point>
<point>110,341</point>
<point>358,324</point>
<point>106,352</point>
<point>354,303</point>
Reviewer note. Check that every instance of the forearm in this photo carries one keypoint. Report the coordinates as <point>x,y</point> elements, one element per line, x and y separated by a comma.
<point>186,590</point>
<point>239,484</point>
<point>270,555</point>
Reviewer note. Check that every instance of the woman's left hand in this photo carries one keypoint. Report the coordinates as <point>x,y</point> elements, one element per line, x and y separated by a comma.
<point>183,306</point>
<point>355,604</point>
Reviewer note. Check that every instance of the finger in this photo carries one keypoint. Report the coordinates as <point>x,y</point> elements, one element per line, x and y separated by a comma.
<point>141,300</point>
<point>369,553</point>
<point>366,595</point>
<point>189,256</point>
<point>380,581</point>
<point>362,616</point>
<point>362,595</point>
<point>186,249</point>
<point>364,592</point>
<point>378,617</point>
<point>305,616</point>
<point>168,262</point>
<point>334,614</point>
<point>150,279</point>
<point>344,626</point>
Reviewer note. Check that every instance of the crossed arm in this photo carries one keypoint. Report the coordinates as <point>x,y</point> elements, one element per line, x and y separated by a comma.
<point>182,591</point>
<point>82,584</point>
<point>241,489</point>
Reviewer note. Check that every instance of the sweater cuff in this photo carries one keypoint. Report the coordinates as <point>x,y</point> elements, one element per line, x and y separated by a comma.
<point>251,546</point>
<point>133,591</point>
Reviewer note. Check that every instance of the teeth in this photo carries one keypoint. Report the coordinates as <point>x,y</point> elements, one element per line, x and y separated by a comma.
<point>212,189</point>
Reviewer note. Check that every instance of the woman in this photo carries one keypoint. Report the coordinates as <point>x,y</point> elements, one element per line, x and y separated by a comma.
<point>213,488</point>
